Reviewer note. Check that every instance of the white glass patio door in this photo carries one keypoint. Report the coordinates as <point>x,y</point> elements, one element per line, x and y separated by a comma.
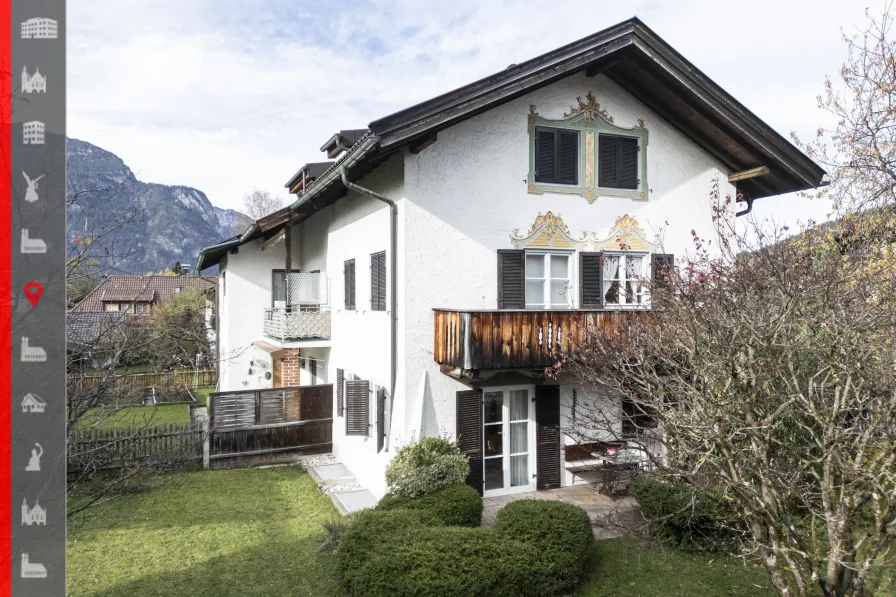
<point>508,431</point>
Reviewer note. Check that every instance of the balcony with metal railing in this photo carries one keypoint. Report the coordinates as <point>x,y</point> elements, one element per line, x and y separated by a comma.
<point>301,309</point>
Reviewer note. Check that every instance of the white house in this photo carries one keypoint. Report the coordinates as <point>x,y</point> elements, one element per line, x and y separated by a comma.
<point>430,271</point>
<point>32,403</point>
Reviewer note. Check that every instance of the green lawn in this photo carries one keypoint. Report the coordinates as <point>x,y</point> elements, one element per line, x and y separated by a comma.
<point>201,395</point>
<point>139,416</point>
<point>256,532</point>
<point>250,532</point>
<point>628,567</point>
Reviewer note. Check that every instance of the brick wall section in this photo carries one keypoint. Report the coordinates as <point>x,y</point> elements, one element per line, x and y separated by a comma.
<point>290,369</point>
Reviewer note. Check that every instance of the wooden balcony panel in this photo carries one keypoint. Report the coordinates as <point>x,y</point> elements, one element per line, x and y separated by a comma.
<point>514,339</point>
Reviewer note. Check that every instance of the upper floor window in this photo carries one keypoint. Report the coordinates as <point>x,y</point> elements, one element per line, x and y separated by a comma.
<point>625,279</point>
<point>617,159</point>
<point>548,280</point>
<point>584,152</point>
<point>378,281</point>
<point>556,155</point>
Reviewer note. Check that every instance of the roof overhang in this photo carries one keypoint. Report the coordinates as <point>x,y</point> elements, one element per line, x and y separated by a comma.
<point>650,69</point>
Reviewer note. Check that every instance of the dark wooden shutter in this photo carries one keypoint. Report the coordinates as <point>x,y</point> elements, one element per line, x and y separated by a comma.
<point>568,157</point>
<point>340,391</point>
<point>469,434</point>
<point>661,265</point>
<point>511,279</point>
<point>380,419</point>
<point>545,150</point>
<point>547,436</point>
<point>628,162</point>
<point>357,407</point>
<point>617,162</point>
<point>348,272</point>
<point>606,162</point>
<point>591,272</point>
<point>378,281</point>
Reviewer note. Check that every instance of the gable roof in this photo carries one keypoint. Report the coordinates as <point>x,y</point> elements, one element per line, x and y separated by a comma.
<point>140,289</point>
<point>641,62</point>
<point>630,54</point>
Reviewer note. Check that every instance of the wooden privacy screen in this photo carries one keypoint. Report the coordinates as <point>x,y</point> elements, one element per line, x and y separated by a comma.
<point>252,408</point>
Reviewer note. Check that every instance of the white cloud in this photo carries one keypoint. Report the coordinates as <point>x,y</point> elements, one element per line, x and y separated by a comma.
<point>227,95</point>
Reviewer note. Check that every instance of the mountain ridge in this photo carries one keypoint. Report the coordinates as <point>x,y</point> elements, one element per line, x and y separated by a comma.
<point>144,226</point>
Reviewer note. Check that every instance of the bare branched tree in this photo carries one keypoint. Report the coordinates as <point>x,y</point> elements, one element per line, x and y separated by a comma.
<point>260,203</point>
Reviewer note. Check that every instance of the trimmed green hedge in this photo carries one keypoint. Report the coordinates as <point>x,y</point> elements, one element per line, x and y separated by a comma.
<point>458,505</point>
<point>455,561</point>
<point>560,532</point>
<point>418,547</point>
<point>681,514</point>
<point>425,466</point>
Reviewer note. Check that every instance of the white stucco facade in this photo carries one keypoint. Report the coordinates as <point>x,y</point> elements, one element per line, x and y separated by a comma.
<point>458,202</point>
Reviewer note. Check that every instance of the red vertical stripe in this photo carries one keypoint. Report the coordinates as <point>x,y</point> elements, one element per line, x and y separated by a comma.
<point>5,298</point>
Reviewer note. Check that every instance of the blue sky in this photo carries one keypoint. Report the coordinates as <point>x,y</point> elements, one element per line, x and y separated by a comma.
<point>226,95</point>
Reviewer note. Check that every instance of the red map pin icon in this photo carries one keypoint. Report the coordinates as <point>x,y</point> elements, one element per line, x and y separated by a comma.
<point>33,292</point>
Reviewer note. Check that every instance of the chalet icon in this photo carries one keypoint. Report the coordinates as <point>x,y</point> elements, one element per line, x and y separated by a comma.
<point>36,83</point>
<point>35,515</point>
<point>33,403</point>
<point>32,569</point>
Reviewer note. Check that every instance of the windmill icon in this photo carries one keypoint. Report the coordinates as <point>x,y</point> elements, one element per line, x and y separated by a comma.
<point>31,193</point>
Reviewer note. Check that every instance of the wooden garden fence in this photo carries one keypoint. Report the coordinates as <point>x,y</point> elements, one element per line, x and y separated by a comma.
<point>138,381</point>
<point>159,446</point>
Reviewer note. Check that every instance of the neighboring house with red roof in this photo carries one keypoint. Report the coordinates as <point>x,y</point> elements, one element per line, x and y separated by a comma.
<point>139,294</point>
<point>126,296</point>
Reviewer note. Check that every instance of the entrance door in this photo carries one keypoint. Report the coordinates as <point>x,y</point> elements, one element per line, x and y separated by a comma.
<point>508,440</point>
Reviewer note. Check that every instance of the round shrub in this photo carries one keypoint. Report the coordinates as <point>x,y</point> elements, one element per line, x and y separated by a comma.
<point>685,516</point>
<point>451,561</point>
<point>426,466</point>
<point>458,505</point>
<point>560,532</point>
<point>371,531</point>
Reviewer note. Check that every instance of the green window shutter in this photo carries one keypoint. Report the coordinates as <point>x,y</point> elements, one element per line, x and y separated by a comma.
<point>469,434</point>
<point>591,272</point>
<point>511,279</point>
<point>357,407</point>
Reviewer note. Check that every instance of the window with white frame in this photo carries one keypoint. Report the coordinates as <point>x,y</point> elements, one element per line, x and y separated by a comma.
<point>548,280</point>
<point>625,279</point>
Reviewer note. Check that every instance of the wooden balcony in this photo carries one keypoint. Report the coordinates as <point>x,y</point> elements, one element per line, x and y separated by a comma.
<point>514,339</point>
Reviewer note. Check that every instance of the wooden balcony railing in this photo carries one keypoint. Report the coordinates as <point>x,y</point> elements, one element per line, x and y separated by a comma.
<point>514,339</point>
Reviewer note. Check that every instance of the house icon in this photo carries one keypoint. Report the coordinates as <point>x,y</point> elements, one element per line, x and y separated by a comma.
<point>33,403</point>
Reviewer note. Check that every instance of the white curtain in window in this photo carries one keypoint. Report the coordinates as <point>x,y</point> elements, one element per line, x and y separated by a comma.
<point>611,279</point>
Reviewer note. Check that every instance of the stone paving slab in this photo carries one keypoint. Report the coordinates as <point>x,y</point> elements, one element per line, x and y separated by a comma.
<point>609,517</point>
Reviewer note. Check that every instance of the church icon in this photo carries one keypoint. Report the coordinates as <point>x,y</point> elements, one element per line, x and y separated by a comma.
<point>32,403</point>
<point>32,569</point>
<point>32,246</point>
<point>36,83</point>
<point>35,515</point>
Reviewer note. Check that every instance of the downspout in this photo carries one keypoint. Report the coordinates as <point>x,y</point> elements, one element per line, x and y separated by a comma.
<point>393,270</point>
